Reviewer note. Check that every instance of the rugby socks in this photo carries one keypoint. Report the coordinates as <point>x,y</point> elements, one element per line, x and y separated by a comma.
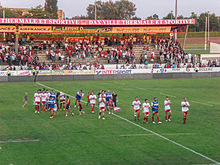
<point>169,116</point>
<point>184,119</point>
<point>92,108</point>
<point>147,119</point>
<point>158,119</point>
<point>153,118</point>
<point>138,116</point>
<point>51,114</point>
<point>100,113</point>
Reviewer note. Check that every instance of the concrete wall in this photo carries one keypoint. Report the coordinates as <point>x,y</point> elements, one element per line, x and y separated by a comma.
<point>110,77</point>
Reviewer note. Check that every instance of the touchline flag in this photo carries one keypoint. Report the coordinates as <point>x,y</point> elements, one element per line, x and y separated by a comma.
<point>116,109</point>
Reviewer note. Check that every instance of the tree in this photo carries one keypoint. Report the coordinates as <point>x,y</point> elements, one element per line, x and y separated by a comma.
<point>10,13</point>
<point>169,16</point>
<point>121,9</point>
<point>155,16</point>
<point>51,7</point>
<point>37,12</point>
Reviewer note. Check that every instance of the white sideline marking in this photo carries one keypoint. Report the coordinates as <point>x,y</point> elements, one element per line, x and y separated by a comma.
<point>19,141</point>
<point>171,134</point>
<point>163,137</point>
<point>167,95</point>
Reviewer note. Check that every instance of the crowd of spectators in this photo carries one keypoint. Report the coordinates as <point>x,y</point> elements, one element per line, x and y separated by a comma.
<point>166,53</point>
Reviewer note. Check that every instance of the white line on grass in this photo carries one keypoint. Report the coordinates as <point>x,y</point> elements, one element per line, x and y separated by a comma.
<point>163,137</point>
<point>169,134</point>
<point>167,95</point>
<point>19,141</point>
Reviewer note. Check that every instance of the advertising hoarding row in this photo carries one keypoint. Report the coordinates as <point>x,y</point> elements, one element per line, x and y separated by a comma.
<point>110,71</point>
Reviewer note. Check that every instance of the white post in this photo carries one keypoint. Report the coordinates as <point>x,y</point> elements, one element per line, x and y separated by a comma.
<point>205,33</point>
<point>208,27</point>
<point>3,15</point>
<point>95,11</point>
<point>176,19</point>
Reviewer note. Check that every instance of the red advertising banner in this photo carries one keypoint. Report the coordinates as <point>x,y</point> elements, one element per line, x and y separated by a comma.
<point>30,21</point>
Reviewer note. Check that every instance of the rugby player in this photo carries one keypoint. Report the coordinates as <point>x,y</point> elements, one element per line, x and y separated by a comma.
<point>37,100</point>
<point>68,107</point>
<point>92,99</point>
<point>146,107</point>
<point>102,103</point>
<point>155,110</point>
<point>136,107</point>
<point>185,108</point>
<point>167,104</point>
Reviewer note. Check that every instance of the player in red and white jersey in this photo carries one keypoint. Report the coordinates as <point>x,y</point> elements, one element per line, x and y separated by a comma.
<point>43,100</point>
<point>167,108</point>
<point>136,107</point>
<point>88,101</point>
<point>47,98</point>
<point>36,101</point>
<point>185,108</point>
<point>102,103</point>
<point>92,100</point>
<point>62,101</point>
<point>146,107</point>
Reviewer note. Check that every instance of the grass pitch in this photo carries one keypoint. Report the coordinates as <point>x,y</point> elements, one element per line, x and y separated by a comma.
<point>28,138</point>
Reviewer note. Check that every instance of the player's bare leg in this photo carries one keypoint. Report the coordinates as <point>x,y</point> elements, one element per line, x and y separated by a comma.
<point>134,116</point>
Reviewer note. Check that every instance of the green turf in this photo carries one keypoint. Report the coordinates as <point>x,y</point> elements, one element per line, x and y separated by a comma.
<point>197,51</point>
<point>87,140</point>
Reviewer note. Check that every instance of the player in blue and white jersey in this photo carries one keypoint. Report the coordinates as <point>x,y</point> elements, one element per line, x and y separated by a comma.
<point>108,97</point>
<point>78,97</point>
<point>155,110</point>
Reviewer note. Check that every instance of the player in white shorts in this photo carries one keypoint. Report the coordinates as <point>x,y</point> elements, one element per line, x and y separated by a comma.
<point>185,108</point>
<point>136,107</point>
<point>62,101</point>
<point>146,107</point>
<point>43,100</point>
<point>167,108</point>
<point>36,101</point>
<point>102,103</point>
<point>92,100</point>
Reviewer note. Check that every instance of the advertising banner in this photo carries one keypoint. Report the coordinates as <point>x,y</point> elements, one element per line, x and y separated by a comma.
<point>113,71</point>
<point>35,29</point>
<point>21,73</point>
<point>32,21</point>
<point>7,29</point>
<point>80,30</point>
<point>162,29</point>
<point>3,73</point>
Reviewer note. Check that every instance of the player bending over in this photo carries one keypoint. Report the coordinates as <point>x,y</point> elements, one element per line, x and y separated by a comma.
<point>78,97</point>
<point>136,107</point>
<point>36,101</point>
<point>167,104</point>
<point>155,110</point>
<point>62,101</point>
<point>51,106</point>
<point>146,107</point>
<point>110,106</point>
<point>68,108</point>
<point>185,108</point>
<point>92,99</point>
<point>80,108</point>
<point>102,103</point>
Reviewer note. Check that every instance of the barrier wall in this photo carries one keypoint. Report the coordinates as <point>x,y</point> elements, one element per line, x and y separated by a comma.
<point>109,77</point>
